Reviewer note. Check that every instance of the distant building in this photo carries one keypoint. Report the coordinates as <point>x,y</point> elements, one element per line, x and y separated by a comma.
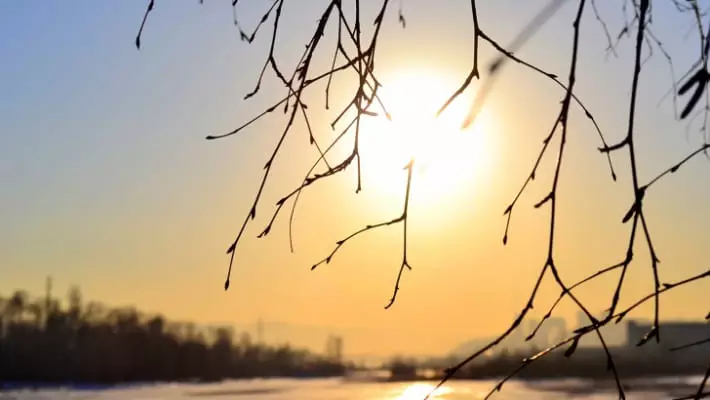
<point>672,334</point>
<point>614,334</point>
<point>553,330</point>
<point>334,349</point>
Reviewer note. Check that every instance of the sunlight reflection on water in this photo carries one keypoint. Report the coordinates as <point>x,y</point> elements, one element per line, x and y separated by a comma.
<point>418,391</point>
<point>337,389</point>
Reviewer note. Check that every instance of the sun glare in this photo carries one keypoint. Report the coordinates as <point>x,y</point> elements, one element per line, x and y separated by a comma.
<point>419,391</point>
<point>445,156</point>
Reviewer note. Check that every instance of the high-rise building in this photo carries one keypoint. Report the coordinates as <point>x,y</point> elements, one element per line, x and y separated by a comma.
<point>334,348</point>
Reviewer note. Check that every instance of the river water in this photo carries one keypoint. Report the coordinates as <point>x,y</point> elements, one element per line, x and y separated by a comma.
<point>337,389</point>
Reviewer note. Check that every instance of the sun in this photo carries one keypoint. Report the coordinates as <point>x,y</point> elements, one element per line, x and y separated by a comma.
<point>446,157</point>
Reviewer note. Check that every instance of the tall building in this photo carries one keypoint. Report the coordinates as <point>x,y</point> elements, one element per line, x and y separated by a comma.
<point>614,334</point>
<point>334,349</point>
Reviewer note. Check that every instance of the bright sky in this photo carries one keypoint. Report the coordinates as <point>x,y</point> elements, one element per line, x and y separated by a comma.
<point>107,181</point>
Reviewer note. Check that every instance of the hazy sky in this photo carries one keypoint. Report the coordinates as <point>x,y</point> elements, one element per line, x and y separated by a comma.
<point>107,181</point>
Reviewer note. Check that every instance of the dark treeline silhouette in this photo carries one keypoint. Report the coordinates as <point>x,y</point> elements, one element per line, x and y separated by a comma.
<point>591,363</point>
<point>43,342</point>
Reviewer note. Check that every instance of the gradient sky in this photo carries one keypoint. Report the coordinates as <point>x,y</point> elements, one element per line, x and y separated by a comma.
<point>107,181</point>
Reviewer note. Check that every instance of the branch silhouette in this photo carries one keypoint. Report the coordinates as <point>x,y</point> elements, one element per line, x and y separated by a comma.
<point>354,54</point>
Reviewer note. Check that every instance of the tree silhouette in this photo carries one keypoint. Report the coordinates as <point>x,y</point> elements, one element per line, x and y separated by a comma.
<point>354,52</point>
<point>91,343</point>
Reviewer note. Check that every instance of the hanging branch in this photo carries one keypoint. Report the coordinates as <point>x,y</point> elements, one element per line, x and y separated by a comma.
<point>359,64</point>
<point>636,210</point>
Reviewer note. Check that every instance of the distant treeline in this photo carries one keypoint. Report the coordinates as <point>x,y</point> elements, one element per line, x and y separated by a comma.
<point>592,363</point>
<point>585,363</point>
<point>43,341</point>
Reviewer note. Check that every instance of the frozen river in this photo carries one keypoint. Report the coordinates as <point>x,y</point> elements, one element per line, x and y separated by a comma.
<point>337,389</point>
